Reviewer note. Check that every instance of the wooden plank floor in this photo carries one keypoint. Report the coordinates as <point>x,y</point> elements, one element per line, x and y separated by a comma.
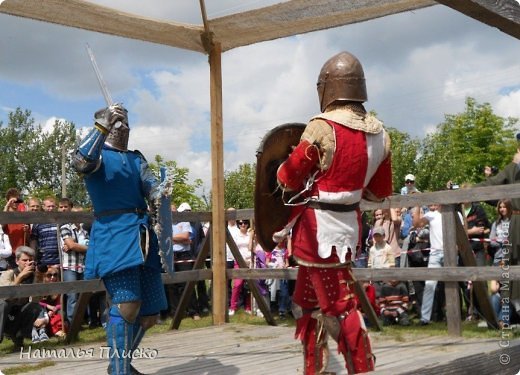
<point>250,349</point>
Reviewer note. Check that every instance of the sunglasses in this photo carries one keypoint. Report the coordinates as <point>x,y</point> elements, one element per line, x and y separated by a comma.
<point>51,275</point>
<point>242,223</point>
<point>410,181</point>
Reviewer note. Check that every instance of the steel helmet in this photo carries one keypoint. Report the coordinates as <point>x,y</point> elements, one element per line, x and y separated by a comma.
<point>341,78</point>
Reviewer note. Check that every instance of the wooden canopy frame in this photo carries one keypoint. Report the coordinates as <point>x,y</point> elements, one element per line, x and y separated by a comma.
<point>218,35</point>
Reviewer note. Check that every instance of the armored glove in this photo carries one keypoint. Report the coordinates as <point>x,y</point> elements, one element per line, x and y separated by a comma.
<point>108,117</point>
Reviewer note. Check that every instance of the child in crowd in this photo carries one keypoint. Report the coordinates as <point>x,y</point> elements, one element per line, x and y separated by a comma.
<point>381,254</point>
<point>393,303</point>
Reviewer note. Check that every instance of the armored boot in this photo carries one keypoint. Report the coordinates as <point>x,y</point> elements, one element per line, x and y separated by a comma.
<point>120,339</point>
<point>352,338</point>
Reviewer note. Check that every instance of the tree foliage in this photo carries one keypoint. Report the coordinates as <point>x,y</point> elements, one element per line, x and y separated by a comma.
<point>404,152</point>
<point>239,186</point>
<point>183,191</point>
<point>463,144</point>
<point>32,159</point>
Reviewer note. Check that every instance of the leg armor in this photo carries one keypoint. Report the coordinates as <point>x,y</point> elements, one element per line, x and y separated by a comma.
<point>329,289</point>
<point>314,341</point>
<point>120,338</point>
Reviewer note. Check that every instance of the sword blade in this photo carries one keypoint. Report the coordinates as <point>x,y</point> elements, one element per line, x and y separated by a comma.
<point>101,81</point>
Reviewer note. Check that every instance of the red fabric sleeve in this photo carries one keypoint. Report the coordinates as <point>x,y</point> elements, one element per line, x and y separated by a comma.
<point>296,168</point>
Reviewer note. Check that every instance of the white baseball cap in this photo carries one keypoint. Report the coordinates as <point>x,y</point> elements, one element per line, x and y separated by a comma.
<point>410,177</point>
<point>184,207</point>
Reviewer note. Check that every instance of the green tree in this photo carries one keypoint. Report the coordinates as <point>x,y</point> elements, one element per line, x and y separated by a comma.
<point>404,153</point>
<point>31,159</point>
<point>239,186</point>
<point>463,144</point>
<point>182,191</point>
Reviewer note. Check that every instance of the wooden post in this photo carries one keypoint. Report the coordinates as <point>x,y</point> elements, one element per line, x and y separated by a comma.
<point>451,288</point>
<point>218,227</point>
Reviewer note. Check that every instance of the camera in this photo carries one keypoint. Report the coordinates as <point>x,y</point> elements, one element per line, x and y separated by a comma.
<point>19,200</point>
<point>454,186</point>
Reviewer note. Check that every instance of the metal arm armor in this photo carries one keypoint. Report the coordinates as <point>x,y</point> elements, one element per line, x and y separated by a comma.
<point>87,157</point>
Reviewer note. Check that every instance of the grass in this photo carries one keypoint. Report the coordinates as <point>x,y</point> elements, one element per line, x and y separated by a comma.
<point>27,368</point>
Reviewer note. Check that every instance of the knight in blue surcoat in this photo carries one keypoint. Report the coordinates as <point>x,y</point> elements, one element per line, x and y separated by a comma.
<point>123,248</point>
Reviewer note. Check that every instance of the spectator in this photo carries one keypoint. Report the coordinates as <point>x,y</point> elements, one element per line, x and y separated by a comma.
<point>18,233</point>
<point>490,170</point>
<point>259,261</point>
<point>183,262</point>
<point>51,304</point>
<point>417,248</point>
<point>279,288</point>
<point>361,259</point>
<point>196,239</point>
<point>381,254</point>
<point>477,228</point>
<point>409,185</point>
<point>370,292</point>
<point>6,251</point>
<point>230,259</point>
<point>499,235</point>
<point>500,304</point>
<point>510,175</point>
<point>393,303</point>
<point>34,205</point>
<point>242,240</point>
<point>390,220</point>
<point>433,218</point>
<point>44,239</point>
<point>20,312</point>
<point>73,254</point>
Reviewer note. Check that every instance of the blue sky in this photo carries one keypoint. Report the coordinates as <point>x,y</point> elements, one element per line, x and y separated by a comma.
<point>419,66</point>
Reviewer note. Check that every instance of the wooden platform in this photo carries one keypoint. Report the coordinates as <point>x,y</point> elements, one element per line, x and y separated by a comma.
<point>251,349</point>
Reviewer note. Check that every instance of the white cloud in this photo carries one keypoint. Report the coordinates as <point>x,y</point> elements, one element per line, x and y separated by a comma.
<point>508,105</point>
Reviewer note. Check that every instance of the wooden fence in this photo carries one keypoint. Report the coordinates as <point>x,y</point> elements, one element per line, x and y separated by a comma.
<point>455,243</point>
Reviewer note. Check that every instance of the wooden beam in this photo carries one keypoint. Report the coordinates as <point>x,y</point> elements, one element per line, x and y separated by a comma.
<point>502,14</point>
<point>302,16</point>
<point>479,287</point>
<point>419,273</point>
<point>218,227</point>
<point>451,289</point>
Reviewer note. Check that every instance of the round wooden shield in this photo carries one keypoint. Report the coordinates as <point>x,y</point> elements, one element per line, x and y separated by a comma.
<point>271,214</point>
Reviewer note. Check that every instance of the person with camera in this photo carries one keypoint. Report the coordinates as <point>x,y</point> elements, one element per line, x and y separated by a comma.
<point>18,233</point>
<point>19,315</point>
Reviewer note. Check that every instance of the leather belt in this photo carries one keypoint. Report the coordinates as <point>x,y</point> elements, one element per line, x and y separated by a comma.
<point>121,211</point>
<point>333,206</point>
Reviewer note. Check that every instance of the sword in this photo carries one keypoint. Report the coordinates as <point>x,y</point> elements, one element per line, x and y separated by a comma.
<point>101,81</point>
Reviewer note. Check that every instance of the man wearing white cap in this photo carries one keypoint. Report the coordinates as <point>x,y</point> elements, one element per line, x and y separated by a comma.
<point>182,232</point>
<point>409,186</point>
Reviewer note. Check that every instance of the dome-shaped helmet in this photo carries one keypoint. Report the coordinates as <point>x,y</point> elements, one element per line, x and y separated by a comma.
<point>341,78</point>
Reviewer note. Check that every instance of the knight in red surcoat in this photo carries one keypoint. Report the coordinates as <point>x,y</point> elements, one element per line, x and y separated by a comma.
<point>343,156</point>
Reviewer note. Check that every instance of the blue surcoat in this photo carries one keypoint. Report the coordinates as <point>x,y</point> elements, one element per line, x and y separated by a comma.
<point>122,182</point>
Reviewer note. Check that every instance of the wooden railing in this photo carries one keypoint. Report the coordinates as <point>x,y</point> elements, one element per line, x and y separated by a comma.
<point>455,243</point>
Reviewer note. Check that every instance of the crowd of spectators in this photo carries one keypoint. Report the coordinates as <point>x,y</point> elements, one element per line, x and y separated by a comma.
<point>419,243</point>
<point>42,253</point>
<point>407,237</point>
